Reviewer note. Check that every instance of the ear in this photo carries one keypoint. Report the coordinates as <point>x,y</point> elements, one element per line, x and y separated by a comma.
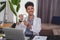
<point>26,11</point>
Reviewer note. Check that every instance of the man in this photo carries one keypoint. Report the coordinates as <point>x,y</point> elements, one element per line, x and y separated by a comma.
<point>32,24</point>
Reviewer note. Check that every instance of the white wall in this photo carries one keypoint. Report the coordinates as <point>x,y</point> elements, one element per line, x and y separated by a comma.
<point>2,15</point>
<point>3,0</point>
<point>9,13</point>
<point>2,12</point>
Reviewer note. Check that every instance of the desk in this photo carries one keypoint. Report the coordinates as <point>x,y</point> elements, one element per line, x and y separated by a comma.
<point>45,32</point>
<point>50,34</point>
<point>56,31</point>
<point>53,37</point>
<point>5,25</point>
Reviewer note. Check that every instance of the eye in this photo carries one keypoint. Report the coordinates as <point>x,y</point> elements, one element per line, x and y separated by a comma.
<point>31,8</point>
<point>28,9</point>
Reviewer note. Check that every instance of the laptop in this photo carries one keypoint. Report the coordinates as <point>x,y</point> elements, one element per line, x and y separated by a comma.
<point>13,34</point>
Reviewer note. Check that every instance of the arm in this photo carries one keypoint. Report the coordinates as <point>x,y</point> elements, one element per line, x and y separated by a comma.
<point>37,27</point>
<point>27,24</point>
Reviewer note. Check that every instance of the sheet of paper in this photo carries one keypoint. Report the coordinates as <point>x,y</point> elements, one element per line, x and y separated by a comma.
<point>40,38</point>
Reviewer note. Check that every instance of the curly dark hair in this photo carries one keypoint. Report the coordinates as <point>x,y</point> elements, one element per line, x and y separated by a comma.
<point>29,4</point>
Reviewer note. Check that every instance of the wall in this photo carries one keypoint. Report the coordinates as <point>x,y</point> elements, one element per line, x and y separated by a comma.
<point>6,14</point>
<point>2,13</point>
<point>9,14</point>
<point>57,12</point>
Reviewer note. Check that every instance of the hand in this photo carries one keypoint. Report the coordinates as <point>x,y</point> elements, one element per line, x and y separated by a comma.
<point>21,17</point>
<point>27,24</point>
<point>34,33</point>
<point>18,23</point>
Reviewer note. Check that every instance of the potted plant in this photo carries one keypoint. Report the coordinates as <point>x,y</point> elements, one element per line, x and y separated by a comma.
<point>14,9</point>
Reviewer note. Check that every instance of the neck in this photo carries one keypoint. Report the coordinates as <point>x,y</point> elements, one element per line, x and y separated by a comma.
<point>30,17</point>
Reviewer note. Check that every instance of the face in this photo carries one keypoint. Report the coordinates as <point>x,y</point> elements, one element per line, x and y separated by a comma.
<point>30,10</point>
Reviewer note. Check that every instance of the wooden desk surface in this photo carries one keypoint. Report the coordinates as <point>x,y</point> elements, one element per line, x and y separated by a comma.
<point>5,25</point>
<point>46,33</point>
<point>56,31</point>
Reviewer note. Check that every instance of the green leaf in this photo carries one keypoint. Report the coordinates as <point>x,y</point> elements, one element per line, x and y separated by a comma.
<point>1,35</point>
<point>12,9</point>
<point>19,0</point>
<point>18,6</point>
<point>4,5</point>
<point>15,2</point>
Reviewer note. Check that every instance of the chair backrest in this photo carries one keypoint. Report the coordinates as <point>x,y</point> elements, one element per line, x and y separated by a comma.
<point>56,20</point>
<point>13,34</point>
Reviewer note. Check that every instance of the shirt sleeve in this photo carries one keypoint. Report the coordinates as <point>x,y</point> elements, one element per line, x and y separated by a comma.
<point>37,27</point>
<point>21,27</point>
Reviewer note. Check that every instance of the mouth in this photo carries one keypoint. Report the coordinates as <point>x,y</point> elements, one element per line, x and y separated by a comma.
<point>31,12</point>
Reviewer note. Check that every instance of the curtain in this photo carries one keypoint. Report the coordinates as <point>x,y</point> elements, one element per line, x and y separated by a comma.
<point>46,10</point>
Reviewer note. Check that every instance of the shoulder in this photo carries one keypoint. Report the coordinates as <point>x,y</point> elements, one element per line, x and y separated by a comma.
<point>37,18</point>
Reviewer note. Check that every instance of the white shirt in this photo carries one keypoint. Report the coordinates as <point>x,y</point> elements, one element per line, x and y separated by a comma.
<point>36,27</point>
